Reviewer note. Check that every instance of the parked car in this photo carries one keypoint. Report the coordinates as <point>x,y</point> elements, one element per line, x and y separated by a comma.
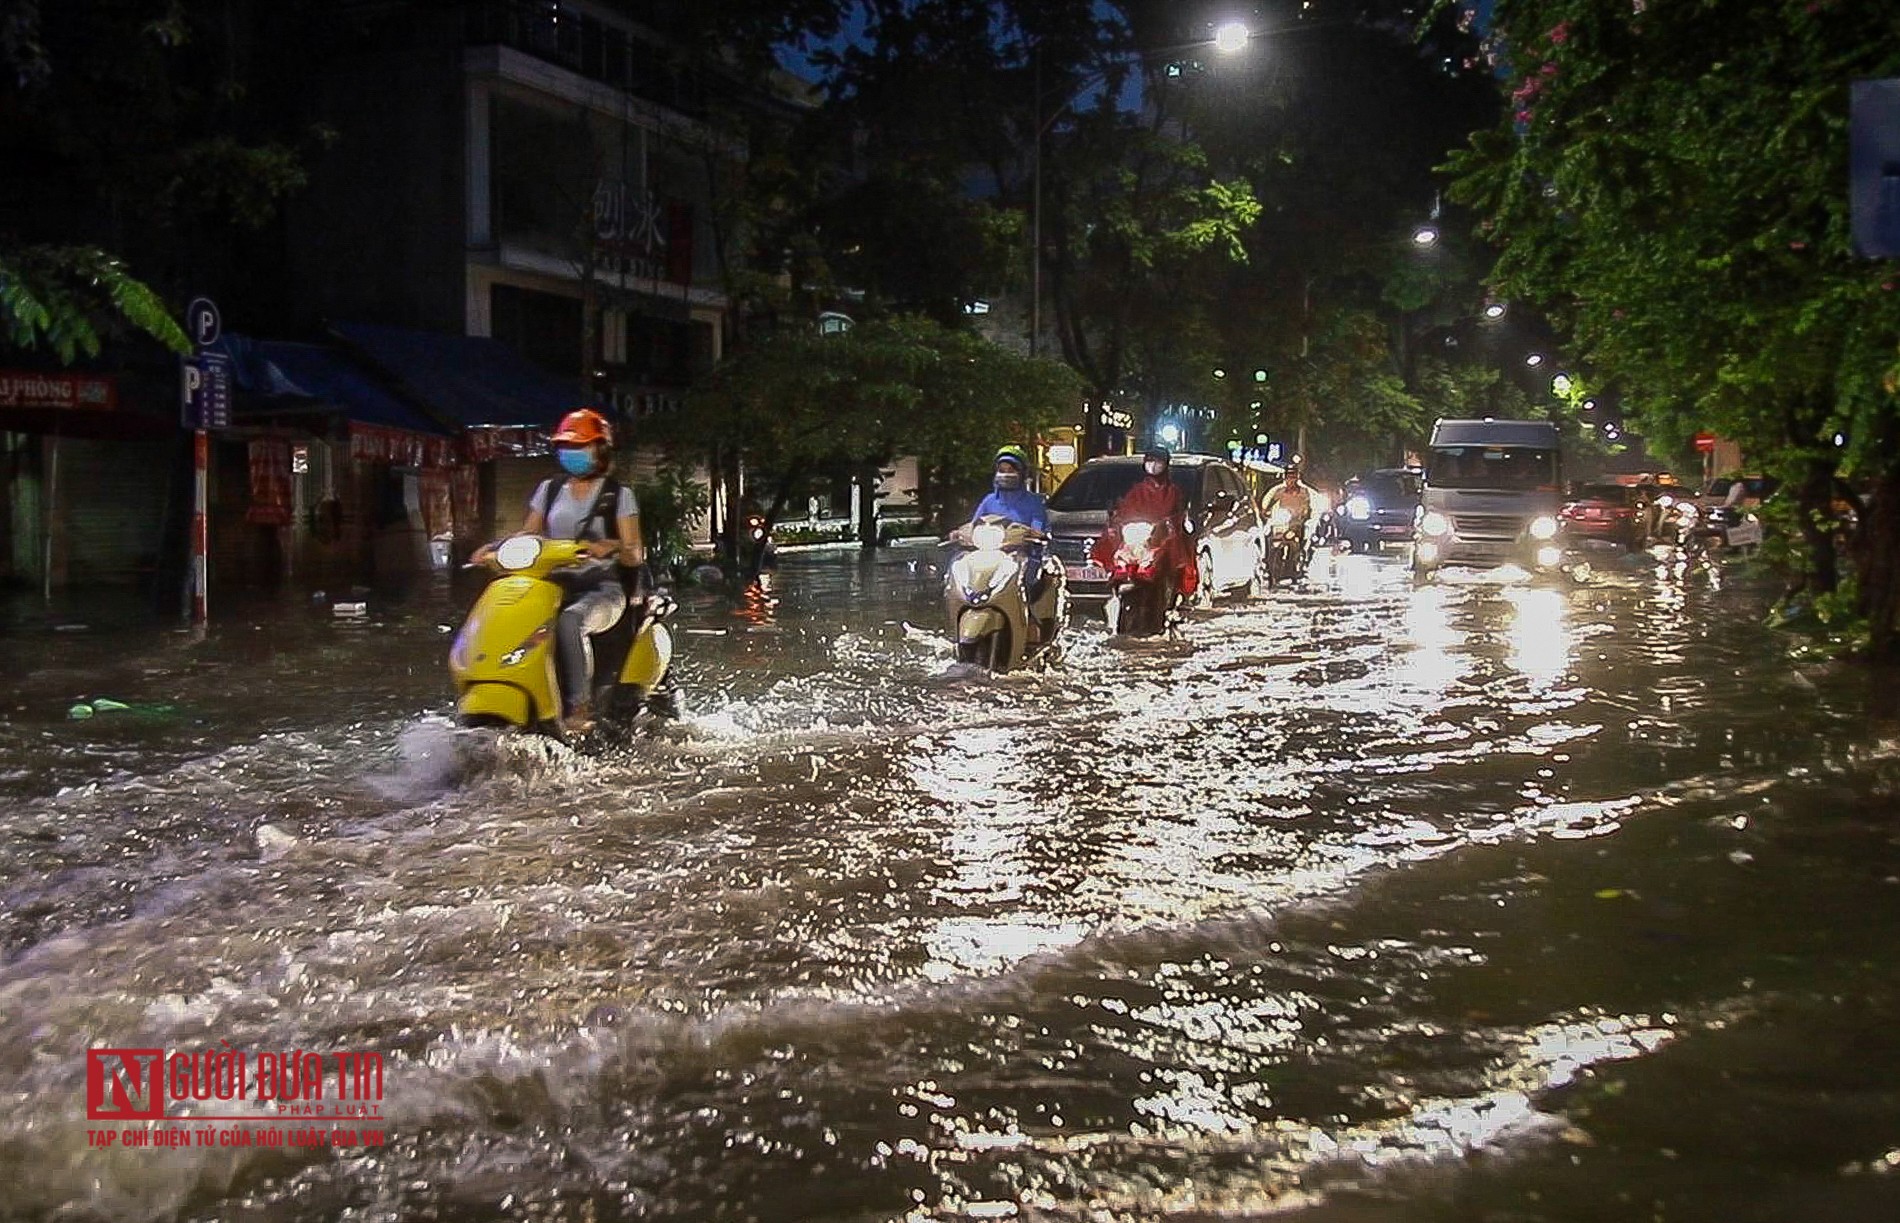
<point>1229,540</point>
<point>1618,514</point>
<point>1381,508</point>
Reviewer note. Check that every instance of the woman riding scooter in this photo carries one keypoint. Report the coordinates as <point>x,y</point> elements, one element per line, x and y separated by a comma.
<point>1155,499</point>
<point>585,503</point>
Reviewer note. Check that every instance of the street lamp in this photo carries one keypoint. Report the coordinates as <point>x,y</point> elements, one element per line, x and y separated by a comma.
<point>1231,37</point>
<point>1534,360</point>
<point>1425,236</point>
<point>1561,384</point>
<point>1494,310</point>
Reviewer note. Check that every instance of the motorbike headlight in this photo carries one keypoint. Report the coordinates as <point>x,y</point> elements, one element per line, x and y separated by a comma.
<point>1549,556</point>
<point>1359,509</point>
<point>1543,527</point>
<point>518,552</point>
<point>1434,523</point>
<point>988,537</point>
<point>527,647</point>
<point>1686,512</point>
<point>1137,534</point>
<point>1280,518</point>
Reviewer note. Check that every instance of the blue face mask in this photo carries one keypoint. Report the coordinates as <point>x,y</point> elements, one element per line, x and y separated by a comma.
<point>577,462</point>
<point>1008,480</point>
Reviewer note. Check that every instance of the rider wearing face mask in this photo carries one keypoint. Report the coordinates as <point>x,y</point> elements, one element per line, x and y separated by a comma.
<point>585,504</point>
<point>1156,499</point>
<point>1010,496</point>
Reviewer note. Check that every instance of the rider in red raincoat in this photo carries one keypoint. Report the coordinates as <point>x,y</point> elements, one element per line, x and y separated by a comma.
<point>1154,498</point>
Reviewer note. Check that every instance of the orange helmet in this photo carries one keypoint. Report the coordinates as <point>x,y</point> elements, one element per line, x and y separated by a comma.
<point>582,427</point>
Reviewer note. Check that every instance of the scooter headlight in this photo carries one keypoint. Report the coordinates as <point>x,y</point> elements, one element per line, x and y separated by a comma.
<point>1549,556</point>
<point>527,647</point>
<point>518,552</point>
<point>1543,527</point>
<point>1686,511</point>
<point>1281,518</point>
<point>1434,523</point>
<point>1137,534</point>
<point>1359,509</point>
<point>988,537</point>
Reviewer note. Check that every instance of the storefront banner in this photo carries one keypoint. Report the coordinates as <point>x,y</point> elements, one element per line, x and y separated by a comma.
<point>29,389</point>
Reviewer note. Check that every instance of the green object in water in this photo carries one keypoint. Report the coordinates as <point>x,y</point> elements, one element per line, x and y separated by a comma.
<point>79,712</point>
<point>106,703</point>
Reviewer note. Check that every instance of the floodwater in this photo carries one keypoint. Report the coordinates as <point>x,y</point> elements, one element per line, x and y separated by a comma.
<point>1487,900</point>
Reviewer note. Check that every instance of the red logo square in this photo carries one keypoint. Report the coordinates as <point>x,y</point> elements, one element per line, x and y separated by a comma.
<point>125,1084</point>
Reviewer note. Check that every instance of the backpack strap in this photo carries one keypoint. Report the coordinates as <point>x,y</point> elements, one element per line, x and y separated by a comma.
<point>606,501</point>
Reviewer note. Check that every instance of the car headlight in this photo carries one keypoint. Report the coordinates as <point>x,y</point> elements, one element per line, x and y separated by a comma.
<point>988,537</point>
<point>1137,534</point>
<point>519,552</point>
<point>1359,509</point>
<point>1434,523</point>
<point>1281,517</point>
<point>1543,527</point>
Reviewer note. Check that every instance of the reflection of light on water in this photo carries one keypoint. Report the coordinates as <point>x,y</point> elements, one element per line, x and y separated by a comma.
<point>1539,638</point>
<point>984,778</point>
<point>1431,667</point>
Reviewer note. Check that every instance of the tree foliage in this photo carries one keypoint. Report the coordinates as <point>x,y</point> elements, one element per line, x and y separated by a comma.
<point>797,402</point>
<point>1670,182</point>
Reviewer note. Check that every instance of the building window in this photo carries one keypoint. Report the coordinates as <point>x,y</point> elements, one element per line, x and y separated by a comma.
<point>543,327</point>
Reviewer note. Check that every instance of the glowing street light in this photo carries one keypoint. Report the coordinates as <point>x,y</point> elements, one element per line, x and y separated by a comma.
<point>1494,310</point>
<point>1561,384</point>
<point>1425,236</point>
<point>1231,37</point>
<point>1171,435</point>
<point>1534,360</point>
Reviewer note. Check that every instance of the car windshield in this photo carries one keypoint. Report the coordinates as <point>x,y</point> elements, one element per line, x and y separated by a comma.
<point>1389,488</point>
<point>1099,486</point>
<point>1497,468</point>
<point>1613,494</point>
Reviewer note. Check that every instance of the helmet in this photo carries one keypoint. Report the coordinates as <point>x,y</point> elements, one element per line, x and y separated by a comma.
<point>582,427</point>
<point>1014,454</point>
<point>1159,453</point>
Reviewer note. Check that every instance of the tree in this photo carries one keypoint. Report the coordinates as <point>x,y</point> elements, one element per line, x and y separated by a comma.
<point>798,402</point>
<point>1670,183</point>
<point>137,133</point>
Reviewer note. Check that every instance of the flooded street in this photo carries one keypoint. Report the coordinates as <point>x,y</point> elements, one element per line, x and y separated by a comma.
<point>1479,900</point>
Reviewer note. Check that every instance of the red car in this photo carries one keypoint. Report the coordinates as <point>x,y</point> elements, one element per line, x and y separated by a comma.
<point>1614,513</point>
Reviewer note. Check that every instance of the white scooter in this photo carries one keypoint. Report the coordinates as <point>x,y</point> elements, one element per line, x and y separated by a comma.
<point>990,616</point>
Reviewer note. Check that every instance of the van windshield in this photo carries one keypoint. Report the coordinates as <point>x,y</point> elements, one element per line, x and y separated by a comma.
<point>1497,468</point>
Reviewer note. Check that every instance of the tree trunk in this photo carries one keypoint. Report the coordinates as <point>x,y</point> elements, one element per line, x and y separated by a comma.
<point>1816,498</point>
<point>1880,567</point>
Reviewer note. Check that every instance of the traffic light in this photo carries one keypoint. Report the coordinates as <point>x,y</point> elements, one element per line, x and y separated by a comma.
<point>1260,375</point>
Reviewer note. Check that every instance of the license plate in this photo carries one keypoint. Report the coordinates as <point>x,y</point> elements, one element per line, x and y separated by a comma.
<point>1085,573</point>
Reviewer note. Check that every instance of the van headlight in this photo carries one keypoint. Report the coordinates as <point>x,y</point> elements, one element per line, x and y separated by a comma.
<point>1434,523</point>
<point>518,552</point>
<point>1543,527</point>
<point>1359,509</point>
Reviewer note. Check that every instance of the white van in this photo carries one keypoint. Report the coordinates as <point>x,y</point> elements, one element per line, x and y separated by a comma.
<point>1491,496</point>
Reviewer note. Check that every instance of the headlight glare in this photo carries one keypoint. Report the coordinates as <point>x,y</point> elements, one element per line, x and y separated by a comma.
<point>1543,527</point>
<point>1434,523</point>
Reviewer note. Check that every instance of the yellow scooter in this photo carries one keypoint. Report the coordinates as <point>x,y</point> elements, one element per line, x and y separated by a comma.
<point>503,659</point>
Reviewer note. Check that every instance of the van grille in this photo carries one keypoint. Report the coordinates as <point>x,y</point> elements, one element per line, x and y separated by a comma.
<point>1487,526</point>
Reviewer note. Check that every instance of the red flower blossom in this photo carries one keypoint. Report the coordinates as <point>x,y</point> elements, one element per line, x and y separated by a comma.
<point>1560,33</point>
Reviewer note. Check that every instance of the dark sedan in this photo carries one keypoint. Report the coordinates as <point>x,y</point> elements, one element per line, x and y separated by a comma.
<point>1381,508</point>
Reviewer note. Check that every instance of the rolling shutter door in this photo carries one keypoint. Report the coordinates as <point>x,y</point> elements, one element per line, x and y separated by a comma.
<point>112,499</point>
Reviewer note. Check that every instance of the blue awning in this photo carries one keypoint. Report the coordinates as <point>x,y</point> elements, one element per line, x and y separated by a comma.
<point>326,378</point>
<point>470,380</point>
